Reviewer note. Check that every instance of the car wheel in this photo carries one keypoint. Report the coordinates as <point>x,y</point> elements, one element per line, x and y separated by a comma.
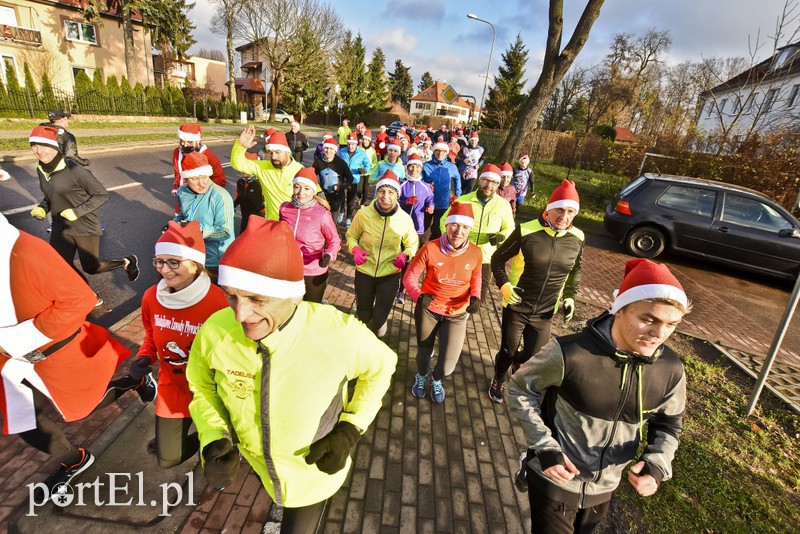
<point>645,242</point>
<point>285,120</point>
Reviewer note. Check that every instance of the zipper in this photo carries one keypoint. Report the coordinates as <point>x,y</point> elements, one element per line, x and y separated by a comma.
<point>623,401</point>
<point>480,223</point>
<point>380,246</point>
<point>296,222</point>
<point>547,274</point>
<point>266,437</point>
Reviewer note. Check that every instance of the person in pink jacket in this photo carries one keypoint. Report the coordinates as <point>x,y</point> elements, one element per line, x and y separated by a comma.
<point>314,230</point>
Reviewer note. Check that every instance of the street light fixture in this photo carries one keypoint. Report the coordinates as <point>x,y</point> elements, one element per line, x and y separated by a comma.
<point>489,65</point>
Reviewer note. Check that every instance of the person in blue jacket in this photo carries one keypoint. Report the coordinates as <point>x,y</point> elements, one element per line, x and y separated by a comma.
<point>360,165</point>
<point>443,175</point>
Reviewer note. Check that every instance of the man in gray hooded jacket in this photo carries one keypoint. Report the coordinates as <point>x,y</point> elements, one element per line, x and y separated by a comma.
<point>583,401</point>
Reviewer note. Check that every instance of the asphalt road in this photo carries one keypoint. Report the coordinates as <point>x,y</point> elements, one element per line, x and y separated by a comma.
<point>140,181</point>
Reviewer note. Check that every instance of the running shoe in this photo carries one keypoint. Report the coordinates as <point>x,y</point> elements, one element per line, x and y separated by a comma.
<point>418,389</point>
<point>496,391</point>
<point>58,482</point>
<point>437,391</point>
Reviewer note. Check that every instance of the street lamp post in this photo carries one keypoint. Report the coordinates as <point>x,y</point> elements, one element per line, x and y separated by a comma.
<point>489,65</point>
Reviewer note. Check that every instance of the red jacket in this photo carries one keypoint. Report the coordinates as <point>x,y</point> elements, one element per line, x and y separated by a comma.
<point>169,333</point>
<point>381,140</point>
<point>218,175</point>
<point>44,302</point>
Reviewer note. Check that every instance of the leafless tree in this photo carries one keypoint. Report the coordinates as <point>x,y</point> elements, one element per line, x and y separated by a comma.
<point>556,63</point>
<point>223,23</point>
<point>274,27</point>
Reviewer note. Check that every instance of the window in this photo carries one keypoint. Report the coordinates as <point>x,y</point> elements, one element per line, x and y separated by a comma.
<point>6,65</point>
<point>80,31</point>
<point>752,213</point>
<point>694,200</point>
<point>793,95</point>
<point>737,106</point>
<point>76,70</point>
<point>722,105</point>
<point>8,16</point>
<point>772,95</point>
<point>710,108</point>
<point>748,104</point>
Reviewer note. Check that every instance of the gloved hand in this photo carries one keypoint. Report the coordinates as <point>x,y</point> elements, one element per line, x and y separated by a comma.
<point>140,367</point>
<point>221,463</point>
<point>165,228</point>
<point>324,260</point>
<point>474,305</point>
<point>496,239</point>
<point>410,201</point>
<point>429,210</point>
<point>69,214</point>
<point>400,260</point>
<point>330,452</point>
<point>509,295</point>
<point>425,300</point>
<point>174,192</point>
<point>38,213</point>
<point>569,309</point>
<point>359,256</point>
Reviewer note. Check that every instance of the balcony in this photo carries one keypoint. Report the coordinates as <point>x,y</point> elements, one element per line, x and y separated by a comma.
<point>16,34</point>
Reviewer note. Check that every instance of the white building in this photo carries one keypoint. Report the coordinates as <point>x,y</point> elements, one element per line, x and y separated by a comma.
<point>441,100</point>
<point>763,99</point>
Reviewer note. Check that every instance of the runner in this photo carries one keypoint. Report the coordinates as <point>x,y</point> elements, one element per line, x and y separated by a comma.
<point>190,140</point>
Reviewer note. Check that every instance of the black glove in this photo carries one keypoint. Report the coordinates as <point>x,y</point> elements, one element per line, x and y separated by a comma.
<point>425,300</point>
<point>324,260</point>
<point>474,305</point>
<point>330,452</point>
<point>221,463</point>
<point>140,367</point>
<point>166,227</point>
<point>496,239</point>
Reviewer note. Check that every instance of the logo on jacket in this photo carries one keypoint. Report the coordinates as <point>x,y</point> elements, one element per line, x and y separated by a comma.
<point>243,389</point>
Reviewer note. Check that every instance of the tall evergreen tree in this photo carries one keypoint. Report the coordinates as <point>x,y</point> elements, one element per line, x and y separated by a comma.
<point>401,86</point>
<point>98,84</point>
<point>12,83</point>
<point>308,78</point>
<point>350,72</point>
<point>426,81</point>
<point>505,96</point>
<point>29,83</point>
<point>376,81</point>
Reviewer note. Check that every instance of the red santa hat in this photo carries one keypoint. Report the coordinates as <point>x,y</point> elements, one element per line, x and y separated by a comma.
<point>352,138</point>
<point>474,135</point>
<point>45,136</point>
<point>250,263</point>
<point>308,177</point>
<point>189,132</point>
<point>183,241</point>
<point>269,132</point>
<point>414,159</point>
<point>461,213</point>
<point>327,135</point>
<point>195,164</point>
<point>506,169</point>
<point>345,121</point>
<point>492,172</point>
<point>367,134</point>
<point>564,196</point>
<point>645,279</point>
<point>524,156</point>
<point>330,143</point>
<point>277,141</point>
<point>389,179</point>
<point>441,145</point>
<point>394,145</point>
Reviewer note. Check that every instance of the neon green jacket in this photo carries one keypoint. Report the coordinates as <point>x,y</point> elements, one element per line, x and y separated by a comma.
<point>383,238</point>
<point>495,217</point>
<point>277,409</point>
<point>276,184</point>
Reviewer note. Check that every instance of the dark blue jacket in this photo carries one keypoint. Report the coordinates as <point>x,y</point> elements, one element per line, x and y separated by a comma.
<point>444,177</point>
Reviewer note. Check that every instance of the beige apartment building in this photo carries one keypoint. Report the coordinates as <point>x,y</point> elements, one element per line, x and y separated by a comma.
<point>52,36</point>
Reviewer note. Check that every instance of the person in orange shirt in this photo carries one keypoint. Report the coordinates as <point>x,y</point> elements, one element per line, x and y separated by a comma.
<point>172,312</point>
<point>450,292</point>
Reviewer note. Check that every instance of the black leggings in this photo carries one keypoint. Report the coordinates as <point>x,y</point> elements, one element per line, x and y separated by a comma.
<point>374,299</point>
<point>436,230</point>
<point>315,287</point>
<point>534,330</point>
<point>88,249</point>
<point>451,329</point>
<point>303,520</point>
<point>362,190</point>
<point>174,443</point>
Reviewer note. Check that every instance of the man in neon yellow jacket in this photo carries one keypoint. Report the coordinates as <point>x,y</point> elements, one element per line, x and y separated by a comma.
<point>270,373</point>
<point>275,174</point>
<point>494,220</point>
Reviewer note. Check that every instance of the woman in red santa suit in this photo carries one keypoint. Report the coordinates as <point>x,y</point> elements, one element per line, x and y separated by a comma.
<point>172,312</point>
<point>49,353</point>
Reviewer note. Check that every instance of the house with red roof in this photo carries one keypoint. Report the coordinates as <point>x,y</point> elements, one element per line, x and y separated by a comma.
<point>443,101</point>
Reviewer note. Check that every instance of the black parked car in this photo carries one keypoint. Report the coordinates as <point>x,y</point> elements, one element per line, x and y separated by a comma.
<point>705,219</point>
<point>395,126</point>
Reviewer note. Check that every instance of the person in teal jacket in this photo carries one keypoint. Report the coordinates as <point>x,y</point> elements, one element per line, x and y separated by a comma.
<point>266,388</point>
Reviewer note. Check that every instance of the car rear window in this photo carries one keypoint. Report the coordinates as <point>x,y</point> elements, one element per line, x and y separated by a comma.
<point>694,200</point>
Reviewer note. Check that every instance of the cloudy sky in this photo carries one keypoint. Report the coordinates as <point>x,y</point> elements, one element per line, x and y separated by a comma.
<point>437,36</point>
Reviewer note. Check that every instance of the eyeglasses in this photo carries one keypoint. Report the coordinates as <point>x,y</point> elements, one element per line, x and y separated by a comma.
<point>490,181</point>
<point>173,265</point>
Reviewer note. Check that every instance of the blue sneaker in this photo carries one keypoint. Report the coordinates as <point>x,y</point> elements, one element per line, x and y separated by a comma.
<point>340,217</point>
<point>437,391</point>
<point>347,223</point>
<point>418,389</point>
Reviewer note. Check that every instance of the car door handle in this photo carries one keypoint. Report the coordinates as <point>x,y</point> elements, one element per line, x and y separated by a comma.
<point>722,229</point>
